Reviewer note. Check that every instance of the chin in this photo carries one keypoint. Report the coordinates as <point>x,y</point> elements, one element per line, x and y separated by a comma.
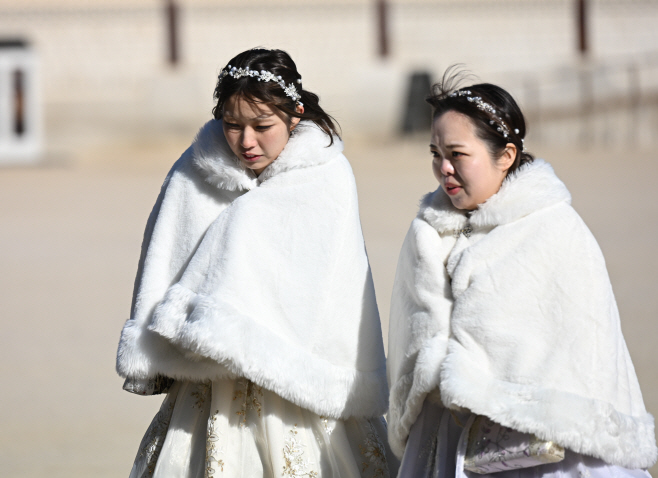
<point>457,203</point>
<point>463,206</point>
<point>253,166</point>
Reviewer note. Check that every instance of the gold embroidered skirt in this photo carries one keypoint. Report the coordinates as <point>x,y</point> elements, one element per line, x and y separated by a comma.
<point>233,428</point>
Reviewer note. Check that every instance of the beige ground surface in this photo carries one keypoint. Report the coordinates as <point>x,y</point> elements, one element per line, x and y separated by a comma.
<point>70,234</point>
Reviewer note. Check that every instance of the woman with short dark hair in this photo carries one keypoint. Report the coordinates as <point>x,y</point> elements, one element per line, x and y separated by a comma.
<point>505,348</point>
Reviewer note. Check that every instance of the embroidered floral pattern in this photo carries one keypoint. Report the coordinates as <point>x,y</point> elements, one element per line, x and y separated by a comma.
<point>328,427</point>
<point>201,394</point>
<point>249,395</point>
<point>374,454</point>
<point>493,447</point>
<point>293,454</point>
<point>211,448</point>
<point>154,438</point>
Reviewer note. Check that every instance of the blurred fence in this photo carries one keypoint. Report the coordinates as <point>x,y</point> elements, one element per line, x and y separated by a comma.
<point>106,65</point>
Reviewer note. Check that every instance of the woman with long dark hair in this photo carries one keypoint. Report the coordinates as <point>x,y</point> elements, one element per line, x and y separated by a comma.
<point>254,307</point>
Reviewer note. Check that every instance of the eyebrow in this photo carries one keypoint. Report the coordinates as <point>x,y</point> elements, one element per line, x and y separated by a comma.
<point>451,145</point>
<point>263,116</point>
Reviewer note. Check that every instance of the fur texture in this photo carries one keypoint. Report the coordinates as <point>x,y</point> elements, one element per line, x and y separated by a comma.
<point>276,286</point>
<point>517,322</point>
<point>215,160</point>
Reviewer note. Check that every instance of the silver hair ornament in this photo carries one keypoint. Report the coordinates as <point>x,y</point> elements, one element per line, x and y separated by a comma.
<point>495,120</point>
<point>516,131</point>
<point>262,75</point>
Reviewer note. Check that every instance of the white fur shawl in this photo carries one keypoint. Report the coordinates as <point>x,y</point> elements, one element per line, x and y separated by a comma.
<point>265,278</point>
<point>517,322</point>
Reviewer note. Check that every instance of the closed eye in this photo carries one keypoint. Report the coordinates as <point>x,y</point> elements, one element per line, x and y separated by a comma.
<point>263,127</point>
<point>232,125</point>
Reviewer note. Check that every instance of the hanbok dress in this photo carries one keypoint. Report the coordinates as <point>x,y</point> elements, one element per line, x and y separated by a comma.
<point>235,428</point>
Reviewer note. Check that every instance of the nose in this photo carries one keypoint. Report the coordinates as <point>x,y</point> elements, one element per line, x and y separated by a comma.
<point>248,138</point>
<point>445,166</point>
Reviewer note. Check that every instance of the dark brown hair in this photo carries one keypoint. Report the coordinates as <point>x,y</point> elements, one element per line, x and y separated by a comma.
<point>485,127</point>
<point>279,63</point>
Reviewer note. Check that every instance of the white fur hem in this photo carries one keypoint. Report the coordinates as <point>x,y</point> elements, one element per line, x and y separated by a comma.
<point>586,426</point>
<point>247,349</point>
<point>144,354</point>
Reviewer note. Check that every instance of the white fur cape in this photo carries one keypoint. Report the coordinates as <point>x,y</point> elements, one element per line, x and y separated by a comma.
<point>265,278</point>
<point>517,322</point>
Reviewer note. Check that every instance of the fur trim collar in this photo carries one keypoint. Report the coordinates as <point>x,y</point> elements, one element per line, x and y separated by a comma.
<point>532,187</point>
<point>308,146</point>
<point>212,156</point>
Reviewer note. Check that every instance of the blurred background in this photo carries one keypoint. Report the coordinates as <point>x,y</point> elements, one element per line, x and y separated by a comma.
<point>98,99</point>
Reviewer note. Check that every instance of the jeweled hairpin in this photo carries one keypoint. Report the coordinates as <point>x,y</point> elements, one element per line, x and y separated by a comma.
<point>262,75</point>
<point>516,131</point>
<point>495,120</point>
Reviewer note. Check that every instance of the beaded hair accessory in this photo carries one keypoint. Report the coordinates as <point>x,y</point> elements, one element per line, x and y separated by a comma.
<point>495,120</point>
<point>263,75</point>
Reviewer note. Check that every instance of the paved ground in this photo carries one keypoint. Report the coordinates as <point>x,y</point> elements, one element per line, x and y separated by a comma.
<point>70,233</point>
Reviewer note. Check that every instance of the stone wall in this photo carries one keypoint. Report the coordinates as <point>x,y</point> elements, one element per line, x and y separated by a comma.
<point>103,63</point>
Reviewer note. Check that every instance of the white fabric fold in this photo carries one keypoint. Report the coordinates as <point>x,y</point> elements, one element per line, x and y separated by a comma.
<point>518,323</point>
<point>276,288</point>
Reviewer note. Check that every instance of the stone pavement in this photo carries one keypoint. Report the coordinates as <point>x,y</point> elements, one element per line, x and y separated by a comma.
<point>70,233</point>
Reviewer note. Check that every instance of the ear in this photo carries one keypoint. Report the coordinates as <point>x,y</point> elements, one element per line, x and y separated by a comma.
<point>295,121</point>
<point>506,160</point>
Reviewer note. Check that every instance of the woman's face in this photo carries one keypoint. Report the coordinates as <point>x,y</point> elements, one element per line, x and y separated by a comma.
<point>462,163</point>
<point>256,132</point>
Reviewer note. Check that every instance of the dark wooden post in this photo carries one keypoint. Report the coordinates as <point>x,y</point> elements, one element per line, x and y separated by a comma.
<point>382,27</point>
<point>581,13</point>
<point>171,14</point>
<point>19,102</point>
<point>585,73</point>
